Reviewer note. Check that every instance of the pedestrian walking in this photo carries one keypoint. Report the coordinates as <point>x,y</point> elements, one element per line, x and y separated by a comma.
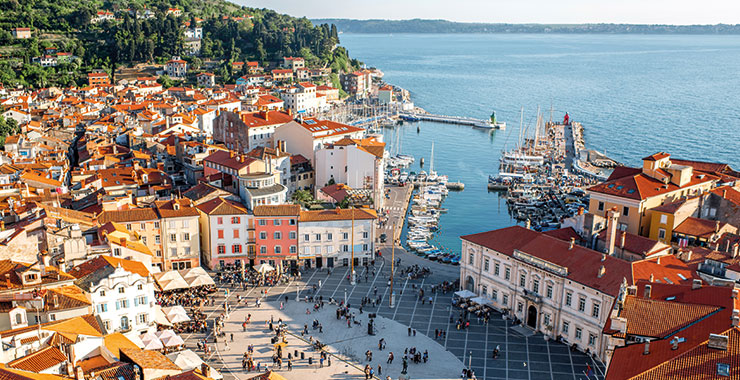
<point>390,358</point>
<point>409,330</point>
<point>380,370</point>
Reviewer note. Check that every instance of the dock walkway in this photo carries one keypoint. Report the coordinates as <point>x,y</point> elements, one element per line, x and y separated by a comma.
<point>459,120</point>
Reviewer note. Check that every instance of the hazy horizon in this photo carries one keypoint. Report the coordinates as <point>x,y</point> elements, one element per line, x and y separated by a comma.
<point>669,12</point>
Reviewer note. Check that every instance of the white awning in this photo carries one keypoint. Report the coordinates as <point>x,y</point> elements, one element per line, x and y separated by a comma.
<point>264,268</point>
<point>465,294</point>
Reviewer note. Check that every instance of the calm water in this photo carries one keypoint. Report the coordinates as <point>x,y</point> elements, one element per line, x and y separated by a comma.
<point>634,94</point>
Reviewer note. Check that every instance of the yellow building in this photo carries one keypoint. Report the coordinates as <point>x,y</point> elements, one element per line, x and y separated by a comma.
<point>635,192</point>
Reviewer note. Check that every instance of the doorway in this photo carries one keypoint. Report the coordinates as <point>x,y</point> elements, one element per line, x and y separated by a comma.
<point>532,317</point>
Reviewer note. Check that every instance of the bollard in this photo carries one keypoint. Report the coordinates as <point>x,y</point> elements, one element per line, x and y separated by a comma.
<point>302,355</point>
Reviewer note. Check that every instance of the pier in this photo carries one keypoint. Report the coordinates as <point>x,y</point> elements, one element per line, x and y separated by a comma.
<point>459,120</point>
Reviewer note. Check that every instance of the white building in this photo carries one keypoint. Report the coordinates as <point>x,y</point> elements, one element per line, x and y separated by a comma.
<point>310,135</point>
<point>180,233</point>
<point>554,286</point>
<point>358,163</point>
<point>225,231</point>
<point>262,189</point>
<point>121,292</point>
<point>196,33</point>
<point>302,98</point>
<point>325,236</point>
<point>176,68</point>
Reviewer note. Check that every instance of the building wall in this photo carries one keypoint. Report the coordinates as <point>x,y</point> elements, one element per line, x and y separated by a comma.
<point>138,292</point>
<point>150,233</point>
<point>331,241</point>
<point>266,240</point>
<point>554,317</point>
<point>186,248</point>
<point>232,234</point>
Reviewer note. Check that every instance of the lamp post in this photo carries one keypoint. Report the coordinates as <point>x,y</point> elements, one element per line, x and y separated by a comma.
<point>392,299</point>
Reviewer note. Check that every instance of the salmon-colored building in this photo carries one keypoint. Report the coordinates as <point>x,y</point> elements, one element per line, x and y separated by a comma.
<point>276,230</point>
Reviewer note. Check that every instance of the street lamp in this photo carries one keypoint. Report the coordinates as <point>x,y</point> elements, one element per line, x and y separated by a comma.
<point>345,296</point>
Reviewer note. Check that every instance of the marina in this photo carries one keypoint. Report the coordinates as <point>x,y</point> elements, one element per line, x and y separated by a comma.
<point>421,115</point>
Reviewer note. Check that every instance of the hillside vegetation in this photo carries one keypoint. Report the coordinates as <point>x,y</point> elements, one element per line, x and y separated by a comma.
<point>230,33</point>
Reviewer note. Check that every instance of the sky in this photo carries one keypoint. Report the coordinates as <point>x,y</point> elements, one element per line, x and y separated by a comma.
<point>680,12</point>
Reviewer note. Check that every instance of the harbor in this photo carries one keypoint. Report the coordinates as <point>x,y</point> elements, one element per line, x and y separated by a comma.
<point>544,175</point>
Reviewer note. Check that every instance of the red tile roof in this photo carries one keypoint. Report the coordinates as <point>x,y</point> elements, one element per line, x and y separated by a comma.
<point>698,227</point>
<point>641,186</point>
<point>729,193</point>
<point>277,210</point>
<point>337,214</point>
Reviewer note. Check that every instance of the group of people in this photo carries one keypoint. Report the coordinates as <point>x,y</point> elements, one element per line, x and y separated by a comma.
<point>198,296</point>
<point>415,271</point>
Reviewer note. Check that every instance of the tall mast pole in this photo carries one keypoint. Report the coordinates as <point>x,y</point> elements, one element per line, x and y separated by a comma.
<point>352,241</point>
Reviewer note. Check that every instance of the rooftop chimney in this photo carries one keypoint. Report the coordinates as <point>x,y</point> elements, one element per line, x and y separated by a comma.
<point>652,277</point>
<point>572,243</point>
<point>734,294</point>
<point>674,343</point>
<point>717,342</point>
<point>735,249</point>
<point>528,224</point>
<point>611,229</point>
<point>602,270</point>
<point>621,240</point>
<point>648,291</point>
<point>735,321</point>
<point>603,257</point>
<point>79,374</point>
<point>716,227</point>
<point>647,348</point>
<point>696,284</point>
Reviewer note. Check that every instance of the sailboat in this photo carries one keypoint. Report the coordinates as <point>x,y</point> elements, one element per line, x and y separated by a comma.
<point>432,176</point>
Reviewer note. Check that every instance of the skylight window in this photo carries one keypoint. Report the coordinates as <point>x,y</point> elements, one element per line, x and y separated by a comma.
<point>611,185</point>
<point>630,191</point>
<point>620,187</point>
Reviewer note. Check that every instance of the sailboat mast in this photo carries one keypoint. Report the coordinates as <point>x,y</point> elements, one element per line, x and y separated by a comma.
<point>431,159</point>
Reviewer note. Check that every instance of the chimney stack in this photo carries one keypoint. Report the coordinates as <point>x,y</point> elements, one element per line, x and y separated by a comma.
<point>572,243</point>
<point>716,227</point>
<point>611,230</point>
<point>696,284</point>
<point>735,249</point>
<point>528,224</point>
<point>717,342</point>
<point>648,291</point>
<point>735,321</point>
<point>621,240</point>
<point>647,348</point>
<point>602,271</point>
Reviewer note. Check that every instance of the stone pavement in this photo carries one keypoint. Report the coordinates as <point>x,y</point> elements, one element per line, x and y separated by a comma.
<point>347,343</point>
<point>522,357</point>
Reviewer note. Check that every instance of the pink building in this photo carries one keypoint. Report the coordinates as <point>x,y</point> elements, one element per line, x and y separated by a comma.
<point>276,230</point>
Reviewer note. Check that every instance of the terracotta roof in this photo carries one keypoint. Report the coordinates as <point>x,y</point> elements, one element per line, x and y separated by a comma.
<point>220,206</point>
<point>564,234</point>
<point>117,371</point>
<point>132,215</point>
<point>93,363</point>
<point>277,210</point>
<point>641,186</point>
<point>39,360</point>
<point>698,227</point>
<point>7,373</point>
<point>116,341</point>
<point>149,359</point>
<point>265,118</point>
<point>629,361</point>
<point>663,269</point>
<point>635,243</point>
<point>583,264</point>
<point>167,209</point>
<point>670,208</point>
<point>659,318</point>
<point>229,159</point>
<point>656,156</point>
<point>326,128</point>
<point>369,145</point>
<point>701,362</point>
<point>729,193</point>
<point>94,266</point>
<point>337,214</point>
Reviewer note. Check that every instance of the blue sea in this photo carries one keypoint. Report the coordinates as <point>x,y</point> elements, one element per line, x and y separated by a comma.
<point>634,94</point>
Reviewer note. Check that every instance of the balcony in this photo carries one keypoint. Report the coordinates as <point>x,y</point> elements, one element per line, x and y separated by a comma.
<point>532,296</point>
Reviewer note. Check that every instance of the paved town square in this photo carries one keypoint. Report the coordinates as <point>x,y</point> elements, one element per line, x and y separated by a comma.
<point>523,355</point>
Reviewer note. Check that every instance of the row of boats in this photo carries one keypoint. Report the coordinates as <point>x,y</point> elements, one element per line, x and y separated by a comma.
<point>423,223</point>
